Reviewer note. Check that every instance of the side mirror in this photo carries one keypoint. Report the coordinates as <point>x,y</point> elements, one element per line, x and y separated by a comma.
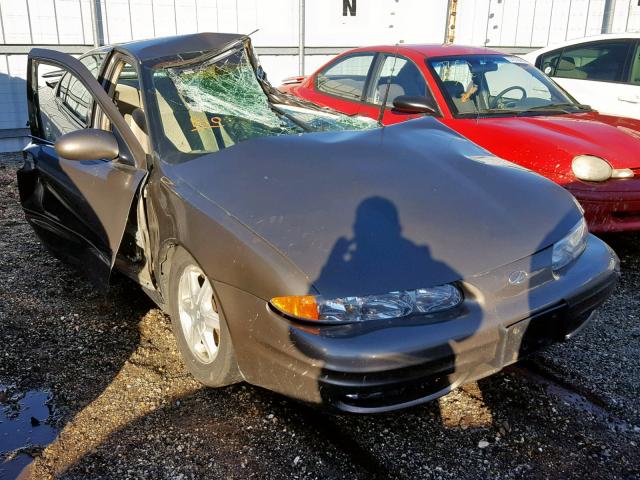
<point>88,144</point>
<point>412,104</point>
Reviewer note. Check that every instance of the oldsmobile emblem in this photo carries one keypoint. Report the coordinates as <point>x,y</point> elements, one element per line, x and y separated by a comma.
<point>518,277</point>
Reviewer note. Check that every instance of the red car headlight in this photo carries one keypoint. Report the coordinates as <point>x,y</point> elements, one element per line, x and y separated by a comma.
<point>595,169</point>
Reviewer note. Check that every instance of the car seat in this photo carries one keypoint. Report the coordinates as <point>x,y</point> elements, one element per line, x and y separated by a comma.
<point>128,101</point>
<point>567,69</point>
<point>410,79</point>
<point>175,115</point>
<point>455,90</point>
<point>395,90</point>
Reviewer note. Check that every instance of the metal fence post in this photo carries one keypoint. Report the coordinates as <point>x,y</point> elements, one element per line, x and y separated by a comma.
<point>96,21</point>
<point>301,35</point>
<point>450,27</point>
<point>607,17</point>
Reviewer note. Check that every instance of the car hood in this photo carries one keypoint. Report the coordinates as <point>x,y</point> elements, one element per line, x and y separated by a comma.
<point>549,143</point>
<point>402,207</point>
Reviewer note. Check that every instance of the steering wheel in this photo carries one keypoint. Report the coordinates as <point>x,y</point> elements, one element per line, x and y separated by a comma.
<point>498,98</point>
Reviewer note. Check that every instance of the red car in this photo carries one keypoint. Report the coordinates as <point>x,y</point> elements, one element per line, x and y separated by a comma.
<point>503,104</point>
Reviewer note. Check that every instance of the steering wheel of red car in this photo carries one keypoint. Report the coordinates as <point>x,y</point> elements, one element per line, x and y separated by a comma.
<point>494,103</point>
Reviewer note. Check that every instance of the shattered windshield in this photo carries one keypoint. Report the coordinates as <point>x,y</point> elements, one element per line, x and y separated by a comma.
<point>209,105</point>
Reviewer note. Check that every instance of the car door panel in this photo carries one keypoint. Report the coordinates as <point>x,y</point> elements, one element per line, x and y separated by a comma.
<point>632,97</point>
<point>628,100</point>
<point>74,192</point>
<point>80,208</point>
<point>631,93</point>
<point>609,98</point>
<point>389,117</point>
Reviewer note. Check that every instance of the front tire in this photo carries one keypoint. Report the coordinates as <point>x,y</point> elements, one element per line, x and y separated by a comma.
<point>199,325</point>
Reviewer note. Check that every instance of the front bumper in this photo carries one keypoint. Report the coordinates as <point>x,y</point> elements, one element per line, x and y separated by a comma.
<point>609,212</point>
<point>387,365</point>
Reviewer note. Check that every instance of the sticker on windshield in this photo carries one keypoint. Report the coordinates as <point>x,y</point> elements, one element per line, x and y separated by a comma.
<point>205,124</point>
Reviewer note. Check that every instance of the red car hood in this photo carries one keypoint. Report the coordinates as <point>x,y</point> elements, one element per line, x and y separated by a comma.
<point>548,144</point>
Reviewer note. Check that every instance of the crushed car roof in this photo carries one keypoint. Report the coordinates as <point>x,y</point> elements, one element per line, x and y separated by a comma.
<point>145,50</point>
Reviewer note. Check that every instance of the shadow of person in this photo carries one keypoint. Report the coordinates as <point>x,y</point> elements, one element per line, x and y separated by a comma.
<point>413,356</point>
<point>378,255</point>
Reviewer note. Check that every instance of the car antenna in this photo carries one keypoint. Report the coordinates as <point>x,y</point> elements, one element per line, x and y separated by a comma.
<point>386,90</point>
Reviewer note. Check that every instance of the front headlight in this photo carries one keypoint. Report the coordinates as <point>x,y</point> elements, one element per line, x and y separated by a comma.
<point>596,169</point>
<point>591,169</point>
<point>571,246</point>
<point>370,307</point>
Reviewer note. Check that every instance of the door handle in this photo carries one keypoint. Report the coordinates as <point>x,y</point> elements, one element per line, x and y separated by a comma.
<point>629,99</point>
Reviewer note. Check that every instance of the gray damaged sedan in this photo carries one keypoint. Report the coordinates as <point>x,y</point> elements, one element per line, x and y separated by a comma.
<point>318,255</point>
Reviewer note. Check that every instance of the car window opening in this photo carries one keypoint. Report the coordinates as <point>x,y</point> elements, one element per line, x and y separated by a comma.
<point>128,98</point>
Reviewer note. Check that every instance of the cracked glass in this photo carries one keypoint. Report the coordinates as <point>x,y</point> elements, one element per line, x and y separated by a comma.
<point>212,104</point>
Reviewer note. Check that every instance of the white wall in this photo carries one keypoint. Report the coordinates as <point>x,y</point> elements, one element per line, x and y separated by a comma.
<point>377,21</point>
<point>537,23</point>
<point>523,23</point>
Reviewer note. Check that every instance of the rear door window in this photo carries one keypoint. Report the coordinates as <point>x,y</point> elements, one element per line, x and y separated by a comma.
<point>602,62</point>
<point>347,77</point>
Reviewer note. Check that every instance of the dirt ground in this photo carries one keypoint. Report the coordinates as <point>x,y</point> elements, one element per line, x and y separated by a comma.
<point>124,406</point>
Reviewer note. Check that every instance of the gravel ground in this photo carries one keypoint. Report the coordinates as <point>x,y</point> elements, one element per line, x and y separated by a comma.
<point>125,407</point>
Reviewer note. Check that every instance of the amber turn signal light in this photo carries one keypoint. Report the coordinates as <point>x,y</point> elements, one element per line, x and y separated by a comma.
<point>301,306</point>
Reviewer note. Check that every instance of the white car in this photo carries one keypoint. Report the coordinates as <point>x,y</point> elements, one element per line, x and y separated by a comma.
<point>602,71</point>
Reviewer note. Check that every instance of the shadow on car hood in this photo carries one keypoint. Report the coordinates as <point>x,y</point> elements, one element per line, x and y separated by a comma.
<point>393,208</point>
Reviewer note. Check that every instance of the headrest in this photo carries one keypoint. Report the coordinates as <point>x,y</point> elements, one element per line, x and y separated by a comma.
<point>395,91</point>
<point>566,64</point>
<point>455,89</point>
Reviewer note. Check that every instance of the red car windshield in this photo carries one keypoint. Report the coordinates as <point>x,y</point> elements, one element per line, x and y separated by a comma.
<point>482,85</point>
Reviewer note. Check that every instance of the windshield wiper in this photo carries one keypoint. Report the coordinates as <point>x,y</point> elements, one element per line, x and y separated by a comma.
<point>288,116</point>
<point>508,111</point>
<point>560,107</point>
